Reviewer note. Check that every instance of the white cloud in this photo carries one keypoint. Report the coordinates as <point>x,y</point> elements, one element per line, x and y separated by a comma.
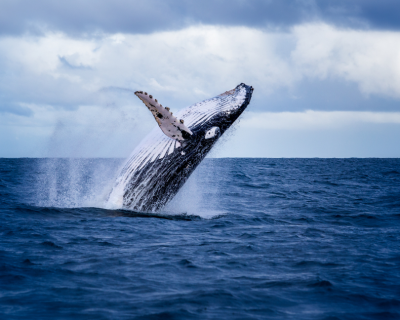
<point>196,62</point>
<point>369,58</point>
<point>184,66</point>
<point>60,79</point>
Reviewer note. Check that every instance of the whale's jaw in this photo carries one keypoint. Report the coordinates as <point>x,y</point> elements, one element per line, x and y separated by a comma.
<point>159,166</point>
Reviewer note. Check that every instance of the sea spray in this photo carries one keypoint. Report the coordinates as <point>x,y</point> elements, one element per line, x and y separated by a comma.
<point>78,183</point>
<point>72,183</point>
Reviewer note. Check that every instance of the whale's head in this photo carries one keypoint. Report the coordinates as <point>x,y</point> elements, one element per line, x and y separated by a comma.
<point>209,119</point>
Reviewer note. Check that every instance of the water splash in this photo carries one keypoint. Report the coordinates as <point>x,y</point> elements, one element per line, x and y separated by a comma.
<point>77,183</point>
<point>199,195</point>
<point>73,183</point>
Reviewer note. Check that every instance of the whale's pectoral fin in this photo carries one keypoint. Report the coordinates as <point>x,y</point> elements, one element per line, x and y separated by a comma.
<point>170,125</point>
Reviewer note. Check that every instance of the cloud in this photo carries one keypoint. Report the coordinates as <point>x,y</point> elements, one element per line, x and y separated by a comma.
<point>78,18</point>
<point>73,96</point>
<point>369,58</point>
<point>6,107</point>
<point>68,64</point>
<point>182,67</point>
<point>370,14</point>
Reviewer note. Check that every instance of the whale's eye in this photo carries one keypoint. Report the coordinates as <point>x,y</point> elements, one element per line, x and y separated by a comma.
<point>212,133</point>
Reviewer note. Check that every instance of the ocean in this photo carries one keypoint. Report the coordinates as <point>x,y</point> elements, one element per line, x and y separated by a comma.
<point>243,239</point>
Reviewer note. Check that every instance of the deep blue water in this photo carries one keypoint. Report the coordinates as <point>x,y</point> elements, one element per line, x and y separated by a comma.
<point>245,239</point>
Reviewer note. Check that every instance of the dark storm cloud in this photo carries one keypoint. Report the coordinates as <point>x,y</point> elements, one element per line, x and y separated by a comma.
<point>375,14</point>
<point>79,17</point>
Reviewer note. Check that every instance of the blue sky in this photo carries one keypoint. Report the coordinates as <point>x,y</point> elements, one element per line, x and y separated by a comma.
<point>326,74</point>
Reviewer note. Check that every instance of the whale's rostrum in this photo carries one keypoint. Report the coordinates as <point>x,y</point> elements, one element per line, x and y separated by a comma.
<point>164,160</point>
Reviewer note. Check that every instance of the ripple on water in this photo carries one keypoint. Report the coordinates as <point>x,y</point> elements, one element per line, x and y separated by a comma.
<point>246,239</point>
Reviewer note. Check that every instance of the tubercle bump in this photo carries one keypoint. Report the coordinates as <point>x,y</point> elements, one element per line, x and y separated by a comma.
<point>149,98</point>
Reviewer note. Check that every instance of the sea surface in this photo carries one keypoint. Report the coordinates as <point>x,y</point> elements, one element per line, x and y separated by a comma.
<point>244,239</point>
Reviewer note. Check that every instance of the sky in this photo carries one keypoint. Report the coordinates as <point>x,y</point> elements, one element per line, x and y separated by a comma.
<point>326,74</point>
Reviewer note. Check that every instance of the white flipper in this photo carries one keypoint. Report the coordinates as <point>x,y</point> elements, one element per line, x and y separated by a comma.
<point>170,125</point>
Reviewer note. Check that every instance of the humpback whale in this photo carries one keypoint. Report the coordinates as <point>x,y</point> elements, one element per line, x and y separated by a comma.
<point>160,165</point>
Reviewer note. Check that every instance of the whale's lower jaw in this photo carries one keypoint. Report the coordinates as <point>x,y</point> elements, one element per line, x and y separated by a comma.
<point>159,166</point>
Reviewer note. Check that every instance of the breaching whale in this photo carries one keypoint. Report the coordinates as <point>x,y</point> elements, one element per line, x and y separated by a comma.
<point>164,160</point>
